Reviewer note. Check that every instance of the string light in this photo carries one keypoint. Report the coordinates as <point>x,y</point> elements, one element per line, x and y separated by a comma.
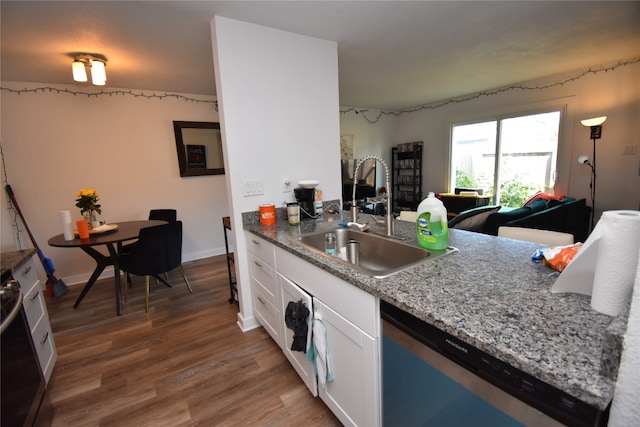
<point>361,111</point>
<point>471,97</point>
<point>135,94</point>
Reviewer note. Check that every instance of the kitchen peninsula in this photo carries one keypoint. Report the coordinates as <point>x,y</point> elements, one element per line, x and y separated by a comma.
<point>489,295</point>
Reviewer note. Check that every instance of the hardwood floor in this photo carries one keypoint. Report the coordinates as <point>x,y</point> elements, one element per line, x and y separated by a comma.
<point>186,363</point>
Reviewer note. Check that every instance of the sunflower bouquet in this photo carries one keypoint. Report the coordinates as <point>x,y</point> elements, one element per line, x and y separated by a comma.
<point>87,201</point>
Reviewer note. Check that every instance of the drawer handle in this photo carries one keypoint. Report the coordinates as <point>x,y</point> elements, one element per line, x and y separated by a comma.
<point>34,295</point>
<point>257,263</point>
<point>255,242</point>
<point>26,270</point>
<point>261,300</point>
<point>44,339</point>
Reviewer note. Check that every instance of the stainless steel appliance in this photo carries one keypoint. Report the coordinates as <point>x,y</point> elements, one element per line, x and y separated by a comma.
<point>305,198</point>
<point>433,377</point>
<point>22,395</point>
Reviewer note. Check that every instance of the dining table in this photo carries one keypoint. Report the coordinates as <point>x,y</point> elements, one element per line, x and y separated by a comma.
<point>112,236</point>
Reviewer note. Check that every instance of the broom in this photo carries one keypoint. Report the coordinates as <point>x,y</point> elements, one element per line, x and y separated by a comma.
<point>57,285</point>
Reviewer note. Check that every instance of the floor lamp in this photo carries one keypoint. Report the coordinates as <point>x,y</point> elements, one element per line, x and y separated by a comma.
<point>595,125</point>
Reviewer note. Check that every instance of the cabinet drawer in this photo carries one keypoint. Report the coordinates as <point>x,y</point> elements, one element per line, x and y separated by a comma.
<point>264,276</point>
<point>261,248</point>
<point>33,304</point>
<point>45,347</point>
<point>267,314</point>
<point>26,275</point>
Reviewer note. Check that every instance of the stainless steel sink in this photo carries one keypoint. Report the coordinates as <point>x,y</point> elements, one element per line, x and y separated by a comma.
<point>378,256</point>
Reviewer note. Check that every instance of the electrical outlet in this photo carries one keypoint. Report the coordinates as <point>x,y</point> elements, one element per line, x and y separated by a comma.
<point>629,150</point>
<point>286,184</point>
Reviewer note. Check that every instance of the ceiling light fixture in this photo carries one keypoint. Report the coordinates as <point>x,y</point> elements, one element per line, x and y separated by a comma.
<point>79,73</point>
<point>97,64</point>
<point>596,133</point>
<point>98,73</point>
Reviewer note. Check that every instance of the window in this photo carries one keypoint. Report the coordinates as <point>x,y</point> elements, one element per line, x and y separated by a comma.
<point>509,158</point>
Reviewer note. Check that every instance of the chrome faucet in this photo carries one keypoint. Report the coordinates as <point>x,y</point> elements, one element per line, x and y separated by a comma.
<point>388,220</point>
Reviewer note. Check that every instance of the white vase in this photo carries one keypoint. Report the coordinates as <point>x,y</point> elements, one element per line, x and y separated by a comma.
<point>90,216</point>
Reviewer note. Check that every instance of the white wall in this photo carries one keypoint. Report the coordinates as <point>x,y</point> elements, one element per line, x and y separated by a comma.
<point>122,146</point>
<point>279,114</point>
<point>615,94</point>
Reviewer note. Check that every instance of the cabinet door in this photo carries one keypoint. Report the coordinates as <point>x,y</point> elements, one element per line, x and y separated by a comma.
<point>354,394</point>
<point>45,348</point>
<point>298,359</point>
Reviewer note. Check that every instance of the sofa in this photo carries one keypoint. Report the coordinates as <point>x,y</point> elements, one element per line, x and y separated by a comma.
<point>567,215</point>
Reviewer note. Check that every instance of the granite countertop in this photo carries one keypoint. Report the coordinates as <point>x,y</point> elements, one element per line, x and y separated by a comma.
<point>490,295</point>
<point>11,260</point>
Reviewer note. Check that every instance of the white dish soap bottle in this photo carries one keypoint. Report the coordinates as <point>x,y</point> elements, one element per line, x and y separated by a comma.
<point>431,225</point>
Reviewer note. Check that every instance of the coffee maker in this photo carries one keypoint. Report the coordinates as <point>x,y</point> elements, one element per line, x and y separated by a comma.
<point>305,198</point>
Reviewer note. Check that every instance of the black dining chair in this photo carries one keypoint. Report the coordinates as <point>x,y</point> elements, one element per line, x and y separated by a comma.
<point>169,215</point>
<point>157,251</point>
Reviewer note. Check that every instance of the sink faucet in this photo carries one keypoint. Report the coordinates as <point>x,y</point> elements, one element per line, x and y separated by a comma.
<point>388,220</point>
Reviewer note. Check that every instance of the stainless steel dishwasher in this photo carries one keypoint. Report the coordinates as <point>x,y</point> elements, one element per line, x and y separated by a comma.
<point>431,378</point>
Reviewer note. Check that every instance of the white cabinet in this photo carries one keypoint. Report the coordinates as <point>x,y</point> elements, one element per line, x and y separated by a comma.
<point>264,285</point>
<point>298,359</point>
<point>352,321</point>
<point>354,393</point>
<point>37,316</point>
<point>351,317</point>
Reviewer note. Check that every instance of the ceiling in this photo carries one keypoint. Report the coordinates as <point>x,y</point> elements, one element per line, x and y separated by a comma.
<point>391,54</point>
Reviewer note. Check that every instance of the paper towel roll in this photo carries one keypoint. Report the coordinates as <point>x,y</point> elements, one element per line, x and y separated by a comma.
<point>65,218</point>
<point>605,266</point>
<point>624,407</point>
<point>617,261</point>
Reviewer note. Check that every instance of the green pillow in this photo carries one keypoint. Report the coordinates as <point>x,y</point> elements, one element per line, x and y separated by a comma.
<point>516,213</point>
<point>539,205</point>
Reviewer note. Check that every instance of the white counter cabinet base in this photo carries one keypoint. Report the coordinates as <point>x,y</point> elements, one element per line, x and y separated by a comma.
<point>37,316</point>
<point>352,320</point>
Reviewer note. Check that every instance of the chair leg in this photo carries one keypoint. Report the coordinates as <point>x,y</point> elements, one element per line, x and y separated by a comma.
<point>123,285</point>
<point>146,294</point>
<point>184,276</point>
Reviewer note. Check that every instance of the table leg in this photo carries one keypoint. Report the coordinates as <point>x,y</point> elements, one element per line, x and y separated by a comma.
<point>102,261</point>
<point>116,273</point>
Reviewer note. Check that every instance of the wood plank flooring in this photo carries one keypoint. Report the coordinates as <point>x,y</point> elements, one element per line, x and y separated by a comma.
<point>186,363</point>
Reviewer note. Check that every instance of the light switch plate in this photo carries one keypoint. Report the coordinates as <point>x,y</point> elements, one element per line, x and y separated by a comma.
<point>252,187</point>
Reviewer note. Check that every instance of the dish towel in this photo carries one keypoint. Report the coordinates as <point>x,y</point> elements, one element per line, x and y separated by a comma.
<point>318,352</point>
<point>295,317</point>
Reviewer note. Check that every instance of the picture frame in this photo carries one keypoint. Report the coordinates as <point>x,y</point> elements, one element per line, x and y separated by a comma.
<point>199,148</point>
<point>346,147</point>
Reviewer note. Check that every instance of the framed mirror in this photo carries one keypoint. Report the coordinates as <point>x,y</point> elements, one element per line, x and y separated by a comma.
<point>199,146</point>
